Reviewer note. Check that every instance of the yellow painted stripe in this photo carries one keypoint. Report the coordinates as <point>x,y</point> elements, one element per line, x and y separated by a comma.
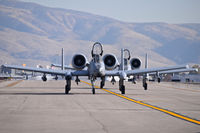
<point>150,106</point>
<point>14,83</point>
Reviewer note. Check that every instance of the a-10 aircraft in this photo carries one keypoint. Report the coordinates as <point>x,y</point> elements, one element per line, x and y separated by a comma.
<point>99,67</point>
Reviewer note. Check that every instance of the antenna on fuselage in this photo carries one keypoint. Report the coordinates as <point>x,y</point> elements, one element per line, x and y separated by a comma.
<point>62,59</point>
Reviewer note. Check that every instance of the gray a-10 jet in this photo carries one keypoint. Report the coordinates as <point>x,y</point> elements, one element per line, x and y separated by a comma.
<point>98,67</point>
<point>135,63</point>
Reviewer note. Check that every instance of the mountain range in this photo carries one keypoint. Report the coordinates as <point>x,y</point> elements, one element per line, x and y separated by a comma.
<point>33,34</point>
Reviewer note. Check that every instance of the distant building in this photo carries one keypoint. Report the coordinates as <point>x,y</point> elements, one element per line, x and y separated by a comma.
<point>5,70</point>
<point>191,78</point>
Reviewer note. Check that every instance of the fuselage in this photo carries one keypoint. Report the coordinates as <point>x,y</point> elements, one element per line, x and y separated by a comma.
<point>96,67</point>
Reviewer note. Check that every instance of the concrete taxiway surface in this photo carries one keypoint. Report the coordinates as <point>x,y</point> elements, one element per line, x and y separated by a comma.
<point>35,106</point>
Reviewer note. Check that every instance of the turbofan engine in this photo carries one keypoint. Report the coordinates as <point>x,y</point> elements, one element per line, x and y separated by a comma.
<point>135,63</point>
<point>79,61</point>
<point>110,61</point>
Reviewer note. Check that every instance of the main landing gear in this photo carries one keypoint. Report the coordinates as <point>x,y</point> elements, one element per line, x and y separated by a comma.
<point>102,82</point>
<point>44,78</point>
<point>159,79</point>
<point>145,83</point>
<point>68,84</point>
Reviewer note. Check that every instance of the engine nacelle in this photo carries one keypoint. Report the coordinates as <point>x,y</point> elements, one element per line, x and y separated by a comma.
<point>135,63</point>
<point>110,61</point>
<point>79,61</point>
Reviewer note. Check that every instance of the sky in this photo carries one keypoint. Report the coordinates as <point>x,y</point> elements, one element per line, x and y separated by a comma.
<point>169,11</point>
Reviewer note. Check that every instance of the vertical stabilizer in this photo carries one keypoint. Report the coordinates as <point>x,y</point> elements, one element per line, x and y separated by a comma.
<point>122,59</point>
<point>62,59</point>
<point>146,61</point>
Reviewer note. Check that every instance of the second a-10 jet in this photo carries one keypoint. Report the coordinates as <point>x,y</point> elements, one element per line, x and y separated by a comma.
<point>135,63</point>
<point>99,66</point>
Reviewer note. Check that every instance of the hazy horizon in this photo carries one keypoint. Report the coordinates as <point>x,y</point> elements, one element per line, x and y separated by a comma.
<point>170,11</point>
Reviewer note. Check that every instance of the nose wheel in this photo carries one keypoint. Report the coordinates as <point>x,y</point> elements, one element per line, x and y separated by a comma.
<point>122,86</point>
<point>93,88</point>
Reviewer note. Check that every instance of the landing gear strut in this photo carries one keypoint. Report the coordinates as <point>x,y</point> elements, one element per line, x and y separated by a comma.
<point>113,81</point>
<point>77,80</point>
<point>158,77</point>
<point>56,78</point>
<point>133,81</point>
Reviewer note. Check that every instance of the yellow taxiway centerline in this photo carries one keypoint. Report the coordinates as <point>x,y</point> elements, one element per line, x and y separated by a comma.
<point>177,115</point>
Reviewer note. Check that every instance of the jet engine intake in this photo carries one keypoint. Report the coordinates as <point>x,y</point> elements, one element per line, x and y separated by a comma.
<point>79,61</point>
<point>135,63</point>
<point>110,61</point>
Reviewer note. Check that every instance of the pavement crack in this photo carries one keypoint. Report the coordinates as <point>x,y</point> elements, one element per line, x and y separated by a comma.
<point>19,107</point>
<point>103,127</point>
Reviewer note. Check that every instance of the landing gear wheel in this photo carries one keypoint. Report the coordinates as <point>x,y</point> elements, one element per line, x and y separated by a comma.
<point>145,86</point>
<point>93,90</point>
<point>122,89</point>
<point>102,85</point>
<point>67,89</point>
<point>44,78</point>
<point>159,80</point>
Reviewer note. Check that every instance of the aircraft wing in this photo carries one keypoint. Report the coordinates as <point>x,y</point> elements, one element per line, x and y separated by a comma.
<point>177,71</point>
<point>40,70</point>
<point>150,70</point>
<point>48,71</point>
<point>65,66</point>
<point>144,71</point>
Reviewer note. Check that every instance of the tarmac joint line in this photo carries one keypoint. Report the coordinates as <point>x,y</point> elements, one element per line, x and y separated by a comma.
<point>14,83</point>
<point>166,111</point>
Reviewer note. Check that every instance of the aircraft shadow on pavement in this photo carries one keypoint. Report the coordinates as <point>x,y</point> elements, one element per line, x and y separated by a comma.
<point>32,93</point>
<point>46,93</point>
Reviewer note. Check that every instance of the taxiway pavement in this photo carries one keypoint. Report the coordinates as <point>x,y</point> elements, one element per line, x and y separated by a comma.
<point>35,106</point>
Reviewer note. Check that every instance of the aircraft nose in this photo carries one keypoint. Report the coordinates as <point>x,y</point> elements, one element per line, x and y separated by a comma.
<point>123,75</point>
